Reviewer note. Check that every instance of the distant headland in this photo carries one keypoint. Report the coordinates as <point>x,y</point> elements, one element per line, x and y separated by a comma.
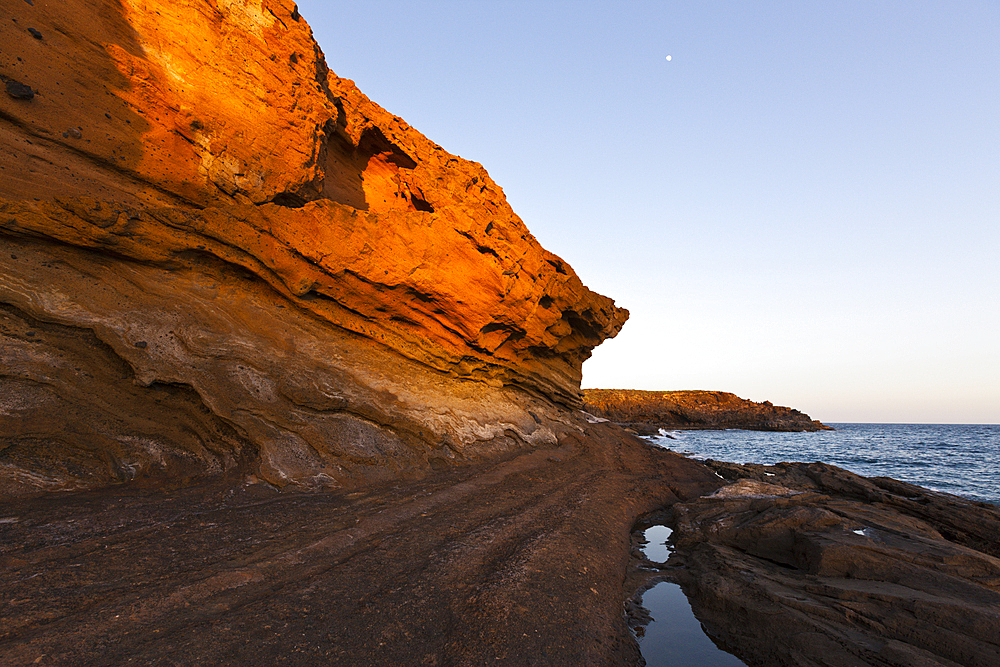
<point>645,412</point>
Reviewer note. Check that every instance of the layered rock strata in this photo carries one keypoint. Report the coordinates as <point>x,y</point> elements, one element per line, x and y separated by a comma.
<point>809,564</point>
<point>217,256</point>
<point>645,412</point>
<point>505,562</point>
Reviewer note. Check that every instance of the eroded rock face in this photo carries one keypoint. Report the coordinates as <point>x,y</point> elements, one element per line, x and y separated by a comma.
<point>229,259</point>
<point>168,103</point>
<point>809,564</point>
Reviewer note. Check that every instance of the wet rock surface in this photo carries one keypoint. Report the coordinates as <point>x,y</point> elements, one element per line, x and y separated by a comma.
<point>512,562</point>
<point>646,412</point>
<point>809,564</point>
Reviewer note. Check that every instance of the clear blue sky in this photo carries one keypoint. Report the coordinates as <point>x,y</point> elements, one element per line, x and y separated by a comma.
<point>802,205</point>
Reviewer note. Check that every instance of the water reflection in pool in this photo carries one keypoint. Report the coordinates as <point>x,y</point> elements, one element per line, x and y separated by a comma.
<point>674,638</point>
<point>657,550</point>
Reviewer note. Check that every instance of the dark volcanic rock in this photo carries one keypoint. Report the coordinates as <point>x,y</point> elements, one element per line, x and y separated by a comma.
<point>510,562</point>
<point>645,412</point>
<point>18,90</point>
<point>808,564</point>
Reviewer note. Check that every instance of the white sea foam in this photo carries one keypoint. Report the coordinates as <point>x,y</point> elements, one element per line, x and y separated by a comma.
<point>960,459</point>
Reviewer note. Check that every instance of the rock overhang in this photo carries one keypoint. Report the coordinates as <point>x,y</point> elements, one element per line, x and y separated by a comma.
<point>241,159</point>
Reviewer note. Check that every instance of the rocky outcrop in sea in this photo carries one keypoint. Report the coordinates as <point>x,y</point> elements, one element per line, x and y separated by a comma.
<point>646,412</point>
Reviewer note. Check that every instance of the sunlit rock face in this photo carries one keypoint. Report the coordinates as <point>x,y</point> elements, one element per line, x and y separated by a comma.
<point>218,257</point>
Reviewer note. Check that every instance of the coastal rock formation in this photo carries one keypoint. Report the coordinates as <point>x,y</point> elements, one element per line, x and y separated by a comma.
<point>218,257</point>
<point>505,562</point>
<point>225,273</point>
<point>809,564</point>
<point>645,412</point>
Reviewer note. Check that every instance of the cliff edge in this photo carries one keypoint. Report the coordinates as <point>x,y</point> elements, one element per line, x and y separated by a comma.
<point>219,257</point>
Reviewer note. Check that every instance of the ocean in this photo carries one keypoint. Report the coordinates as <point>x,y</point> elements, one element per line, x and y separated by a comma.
<point>961,459</point>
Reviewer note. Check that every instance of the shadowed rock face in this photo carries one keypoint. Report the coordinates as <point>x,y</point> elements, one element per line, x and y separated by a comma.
<point>216,255</point>
<point>809,564</point>
<point>648,411</point>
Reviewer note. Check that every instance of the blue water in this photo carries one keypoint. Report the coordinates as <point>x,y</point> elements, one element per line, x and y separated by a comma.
<point>675,638</point>
<point>962,459</point>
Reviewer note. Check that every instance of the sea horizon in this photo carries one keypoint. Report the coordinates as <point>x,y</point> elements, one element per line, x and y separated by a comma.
<point>959,459</point>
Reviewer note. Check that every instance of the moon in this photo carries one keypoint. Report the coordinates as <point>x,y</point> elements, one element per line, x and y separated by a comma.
<point>670,57</point>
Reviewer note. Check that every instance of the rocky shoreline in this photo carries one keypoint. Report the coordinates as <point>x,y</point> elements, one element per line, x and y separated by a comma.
<point>528,559</point>
<point>646,412</point>
<point>518,561</point>
<point>809,564</point>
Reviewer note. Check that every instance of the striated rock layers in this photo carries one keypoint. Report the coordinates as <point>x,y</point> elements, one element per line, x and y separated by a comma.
<point>217,256</point>
<point>648,411</point>
<point>508,562</point>
<point>809,564</point>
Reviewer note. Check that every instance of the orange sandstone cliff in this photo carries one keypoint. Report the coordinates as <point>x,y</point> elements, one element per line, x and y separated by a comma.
<point>217,256</point>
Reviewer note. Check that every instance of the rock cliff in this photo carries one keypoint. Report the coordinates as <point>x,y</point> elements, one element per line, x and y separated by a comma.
<point>648,411</point>
<point>218,257</point>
